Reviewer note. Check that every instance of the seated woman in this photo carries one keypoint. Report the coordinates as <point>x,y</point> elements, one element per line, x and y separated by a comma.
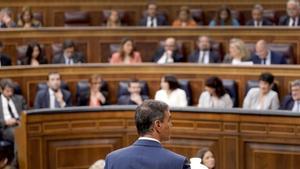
<point>126,54</point>
<point>96,96</point>
<point>215,95</point>
<point>224,18</point>
<point>170,92</point>
<point>263,97</point>
<point>113,19</point>
<point>184,18</point>
<point>207,158</point>
<point>26,19</point>
<point>238,53</point>
<point>34,55</point>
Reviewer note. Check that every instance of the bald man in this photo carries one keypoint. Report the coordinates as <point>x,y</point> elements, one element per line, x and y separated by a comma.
<point>292,17</point>
<point>169,53</point>
<point>263,55</point>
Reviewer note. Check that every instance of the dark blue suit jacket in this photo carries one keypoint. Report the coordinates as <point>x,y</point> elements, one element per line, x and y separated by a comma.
<point>265,22</point>
<point>287,103</point>
<point>161,21</point>
<point>177,56</point>
<point>42,98</point>
<point>5,60</point>
<point>284,20</point>
<point>276,58</point>
<point>214,57</point>
<point>145,154</point>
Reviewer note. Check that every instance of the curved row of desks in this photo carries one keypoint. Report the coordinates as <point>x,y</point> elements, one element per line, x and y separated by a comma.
<point>240,139</point>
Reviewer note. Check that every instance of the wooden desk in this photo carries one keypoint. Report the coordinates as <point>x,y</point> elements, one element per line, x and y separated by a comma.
<point>76,138</point>
<point>94,42</point>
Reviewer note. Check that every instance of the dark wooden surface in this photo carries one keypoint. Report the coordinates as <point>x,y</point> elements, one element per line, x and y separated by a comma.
<point>239,139</point>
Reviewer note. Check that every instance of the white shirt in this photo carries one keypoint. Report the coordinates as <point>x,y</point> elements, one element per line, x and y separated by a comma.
<point>6,113</point>
<point>204,54</point>
<point>257,23</point>
<point>165,59</point>
<point>148,138</point>
<point>252,100</point>
<point>177,98</point>
<point>239,62</point>
<point>268,59</point>
<point>52,99</point>
<point>149,22</point>
<point>208,101</point>
<point>292,21</point>
<point>69,61</point>
<point>296,107</point>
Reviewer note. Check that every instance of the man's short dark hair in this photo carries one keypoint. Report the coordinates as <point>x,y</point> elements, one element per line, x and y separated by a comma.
<point>267,77</point>
<point>7,83</point>
<point>68,44</point>
<point>133,80</point>
<point>147,113</point>
<point>53,73</point>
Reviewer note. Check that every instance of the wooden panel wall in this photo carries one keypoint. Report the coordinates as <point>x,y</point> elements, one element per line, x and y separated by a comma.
<point>238,140</point>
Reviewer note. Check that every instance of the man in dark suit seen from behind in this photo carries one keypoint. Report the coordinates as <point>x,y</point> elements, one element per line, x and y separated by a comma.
<point>53,96</point>
<point>257,17</point>
<point>292,19</point>
<point>265,56</point>
<point>169,53</point>
<point>152,18</point>
<point>204,54</point>
<point>292,102</point>
<point>4,59</point>
<point>153,122</point>
<point>68,56</point>
<point>134,97</point>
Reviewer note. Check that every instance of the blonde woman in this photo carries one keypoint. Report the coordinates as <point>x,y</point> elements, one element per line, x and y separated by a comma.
<point>238,53</point>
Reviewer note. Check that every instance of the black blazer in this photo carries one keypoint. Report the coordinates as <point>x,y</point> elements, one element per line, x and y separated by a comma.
<point>60,59</point>
<point>177,56</point>
<point>284,20</point>
<point>125,100</point>
<point>42,98</point>
<point>214,57</point>
<point>84,98</point>
<point>265,22</point>
<point>20,104</point>
<point>276,58</point>
<point>161,21</point>
<point>5,60</point>
<point>287,103</point>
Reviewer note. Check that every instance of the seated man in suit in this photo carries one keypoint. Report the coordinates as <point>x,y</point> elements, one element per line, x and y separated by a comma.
<point>292,19</point>
<point>257,17</point>
<point>11,107</point>
<point>153,123</point>
<point>69,56</point>
<point>265,56</point>
<point>204,54</point>
<point>135,97</point>
<point>292,102</point>
<point>53,96</point>
<point>169,53</point>
<point>4,59</point>
<point>152,18</point>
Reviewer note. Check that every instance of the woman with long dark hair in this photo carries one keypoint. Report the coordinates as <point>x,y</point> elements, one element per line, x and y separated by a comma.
<point>34,55</point>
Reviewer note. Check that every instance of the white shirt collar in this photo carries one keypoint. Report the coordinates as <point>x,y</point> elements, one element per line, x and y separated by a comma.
<point>148,138</point>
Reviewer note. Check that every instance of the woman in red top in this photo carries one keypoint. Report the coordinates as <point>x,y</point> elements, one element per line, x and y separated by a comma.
<point>126,54</point>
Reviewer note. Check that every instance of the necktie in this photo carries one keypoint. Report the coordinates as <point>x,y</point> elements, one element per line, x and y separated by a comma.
<point>10,110</point>
<point>201,59</point>
<point>151,22</point>
<point>56,104</point>
<point>264,61</point>
<point>69,61</point>
<point>293,22</point>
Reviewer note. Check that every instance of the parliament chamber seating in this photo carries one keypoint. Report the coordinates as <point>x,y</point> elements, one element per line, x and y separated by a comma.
<point>186,86</point>
<point>76,18</point>
<point>232,89</point>
<point>44,86</point>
